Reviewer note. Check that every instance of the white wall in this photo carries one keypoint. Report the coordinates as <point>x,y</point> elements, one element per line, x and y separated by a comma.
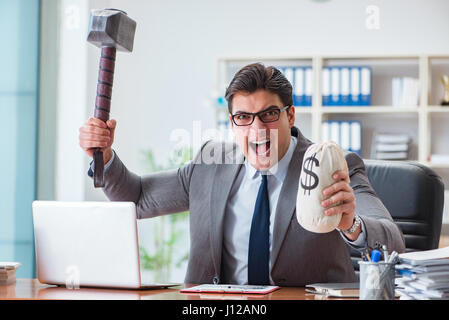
<point>48,86</point>
<point>164,83</point>
<point>71,97</point>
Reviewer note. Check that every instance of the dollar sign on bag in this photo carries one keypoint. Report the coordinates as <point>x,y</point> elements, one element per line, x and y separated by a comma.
<point>308,166</point>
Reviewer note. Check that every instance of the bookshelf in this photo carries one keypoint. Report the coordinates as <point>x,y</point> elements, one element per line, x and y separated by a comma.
<point>427,123</point>
<point>426,68</point>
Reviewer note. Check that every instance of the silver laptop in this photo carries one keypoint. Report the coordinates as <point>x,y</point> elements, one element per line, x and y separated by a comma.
<point>92,244</point>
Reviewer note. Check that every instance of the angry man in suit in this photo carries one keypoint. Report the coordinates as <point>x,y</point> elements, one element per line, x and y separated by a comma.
<point>243,228</point>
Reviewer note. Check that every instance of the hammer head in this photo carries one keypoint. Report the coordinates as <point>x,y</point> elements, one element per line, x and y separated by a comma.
<point>111,28</point>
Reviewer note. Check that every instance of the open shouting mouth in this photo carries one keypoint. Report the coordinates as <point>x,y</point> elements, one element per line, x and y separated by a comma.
<point>261,148</point>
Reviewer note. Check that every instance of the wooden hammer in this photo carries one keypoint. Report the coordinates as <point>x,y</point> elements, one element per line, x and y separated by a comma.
<point>110,30</point>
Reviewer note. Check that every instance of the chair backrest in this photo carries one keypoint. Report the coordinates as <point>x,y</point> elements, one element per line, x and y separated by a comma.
<point>414,195</point>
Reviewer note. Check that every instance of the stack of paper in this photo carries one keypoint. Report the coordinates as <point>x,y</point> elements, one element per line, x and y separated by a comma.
<point>8,272</point>
<point>424,275</point>
<point>391,146</point>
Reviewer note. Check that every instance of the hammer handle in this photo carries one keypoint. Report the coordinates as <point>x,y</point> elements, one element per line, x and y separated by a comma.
<point>105,82</point>
<point>103,104</point>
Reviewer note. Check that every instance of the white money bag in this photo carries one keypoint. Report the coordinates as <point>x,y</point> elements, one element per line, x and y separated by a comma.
<point>319,164</point>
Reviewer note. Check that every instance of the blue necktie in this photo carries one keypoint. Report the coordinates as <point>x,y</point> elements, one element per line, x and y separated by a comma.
<point>259,248</point>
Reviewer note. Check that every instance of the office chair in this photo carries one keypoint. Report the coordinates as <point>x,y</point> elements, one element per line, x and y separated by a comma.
<point>414,195</point>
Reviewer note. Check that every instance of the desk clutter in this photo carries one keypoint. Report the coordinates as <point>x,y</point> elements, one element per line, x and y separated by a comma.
<point>339,290</point>
<point>377,273</point>
<point>8,272</point>
<point>423,275</point>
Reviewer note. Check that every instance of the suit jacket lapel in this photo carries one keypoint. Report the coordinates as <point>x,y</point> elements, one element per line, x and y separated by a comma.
<point>287,198</point>
<point>224,177</point>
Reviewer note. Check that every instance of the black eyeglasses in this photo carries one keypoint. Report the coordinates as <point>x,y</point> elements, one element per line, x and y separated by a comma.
<point>268,115</point>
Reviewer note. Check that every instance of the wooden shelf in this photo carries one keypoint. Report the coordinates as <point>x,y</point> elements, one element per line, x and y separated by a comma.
<point>387,66</point>
<point>438,109</point>
<point>369,109</point>
<point>372,109</point>
<point>303,110</point>
<point>299,56</point>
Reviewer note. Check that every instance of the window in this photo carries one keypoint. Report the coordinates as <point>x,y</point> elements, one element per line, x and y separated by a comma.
<point>19,30</point>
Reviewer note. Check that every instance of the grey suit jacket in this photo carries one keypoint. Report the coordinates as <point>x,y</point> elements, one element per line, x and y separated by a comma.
<point>202,186</point>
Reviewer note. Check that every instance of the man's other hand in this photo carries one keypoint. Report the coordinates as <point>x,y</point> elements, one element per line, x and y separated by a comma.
<point>340,199</point>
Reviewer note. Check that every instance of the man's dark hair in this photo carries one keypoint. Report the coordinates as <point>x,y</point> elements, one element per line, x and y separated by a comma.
<point>256,76</point>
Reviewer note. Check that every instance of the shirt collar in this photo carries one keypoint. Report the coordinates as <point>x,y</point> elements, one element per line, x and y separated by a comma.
<point>279,170</point>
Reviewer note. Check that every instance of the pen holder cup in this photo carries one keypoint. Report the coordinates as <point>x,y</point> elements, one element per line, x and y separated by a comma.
<point>376,280</point>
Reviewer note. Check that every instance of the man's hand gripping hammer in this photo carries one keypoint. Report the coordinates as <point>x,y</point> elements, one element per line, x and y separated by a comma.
<point>110,30</point>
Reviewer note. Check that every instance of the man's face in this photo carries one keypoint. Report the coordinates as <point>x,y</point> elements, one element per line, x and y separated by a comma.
<point>263,144</point>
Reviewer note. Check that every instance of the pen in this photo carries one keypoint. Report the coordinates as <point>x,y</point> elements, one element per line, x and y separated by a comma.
<point>375,255</point>
<point>384,248</point>
<point>393,257</point>
<point>367,257</point>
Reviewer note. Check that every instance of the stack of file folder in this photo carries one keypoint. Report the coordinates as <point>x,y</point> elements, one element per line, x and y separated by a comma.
<point>405,92</point>
<point>424,275</point>
<point>347,134</point>
<point>346,86</point>
<point>341,86</point>
<point>301,79</point>
<point>390,146</point>
<point>8,272</point>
